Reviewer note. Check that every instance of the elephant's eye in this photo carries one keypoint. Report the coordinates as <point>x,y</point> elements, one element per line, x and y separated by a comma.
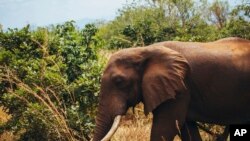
<point>120,81</point>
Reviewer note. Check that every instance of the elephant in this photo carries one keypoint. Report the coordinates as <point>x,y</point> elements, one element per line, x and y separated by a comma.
<point>180,83</point>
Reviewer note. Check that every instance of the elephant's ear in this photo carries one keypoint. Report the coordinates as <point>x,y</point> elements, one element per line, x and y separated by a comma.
<point>163,77</point>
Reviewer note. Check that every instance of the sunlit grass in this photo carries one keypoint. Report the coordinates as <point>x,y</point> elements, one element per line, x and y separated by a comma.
<point>4,117</point>
<point>136,127</point>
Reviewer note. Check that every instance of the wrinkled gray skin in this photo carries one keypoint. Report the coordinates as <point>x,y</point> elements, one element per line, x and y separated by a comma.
<point>180,82</point>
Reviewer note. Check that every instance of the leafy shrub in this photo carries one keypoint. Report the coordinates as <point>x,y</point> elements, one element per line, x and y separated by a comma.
<point>146,22</point>
<point>49,81</point>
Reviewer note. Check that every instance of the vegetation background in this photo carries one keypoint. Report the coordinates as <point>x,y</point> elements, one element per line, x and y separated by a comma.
<point>50,76</point>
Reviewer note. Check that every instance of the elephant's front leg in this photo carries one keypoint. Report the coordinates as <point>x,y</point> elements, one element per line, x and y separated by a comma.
<point>190,132</point>
<point>169,117</point>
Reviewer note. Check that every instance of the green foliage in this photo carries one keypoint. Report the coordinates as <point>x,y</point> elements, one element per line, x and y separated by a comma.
<point>49,80</point>
<point>242,10</point>
<point>75,47</point>
<point>219,13</point>
<point>239,24</point>
<point>237,28</point>
<point>136,26</point>
<point>147,22</point>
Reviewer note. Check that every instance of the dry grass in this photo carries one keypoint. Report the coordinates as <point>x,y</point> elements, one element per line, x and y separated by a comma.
<point>136,127</point>
<point>3,116</point>
<point>44,98</point>
<point>6,136</point>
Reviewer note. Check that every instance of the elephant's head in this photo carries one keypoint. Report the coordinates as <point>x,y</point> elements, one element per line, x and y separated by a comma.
<point>148,74</point>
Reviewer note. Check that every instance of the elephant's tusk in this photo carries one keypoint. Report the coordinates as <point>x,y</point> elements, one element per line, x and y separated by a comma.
<point>178,126</point>
<point>113,128</point>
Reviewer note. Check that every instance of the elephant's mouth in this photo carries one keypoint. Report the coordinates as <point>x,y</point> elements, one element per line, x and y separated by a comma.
<point>113,128</point>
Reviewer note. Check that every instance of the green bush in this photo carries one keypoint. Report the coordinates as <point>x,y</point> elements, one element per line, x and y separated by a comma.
<point>146,22</point>
<point>49,80</point>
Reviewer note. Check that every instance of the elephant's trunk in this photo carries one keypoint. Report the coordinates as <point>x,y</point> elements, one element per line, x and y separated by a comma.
<point>113,128</point>
<point>108,109</point>
<point>103,124</point>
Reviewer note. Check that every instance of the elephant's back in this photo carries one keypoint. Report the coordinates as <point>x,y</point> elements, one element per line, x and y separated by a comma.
<point>229,53</point>
<point>220,73</point>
